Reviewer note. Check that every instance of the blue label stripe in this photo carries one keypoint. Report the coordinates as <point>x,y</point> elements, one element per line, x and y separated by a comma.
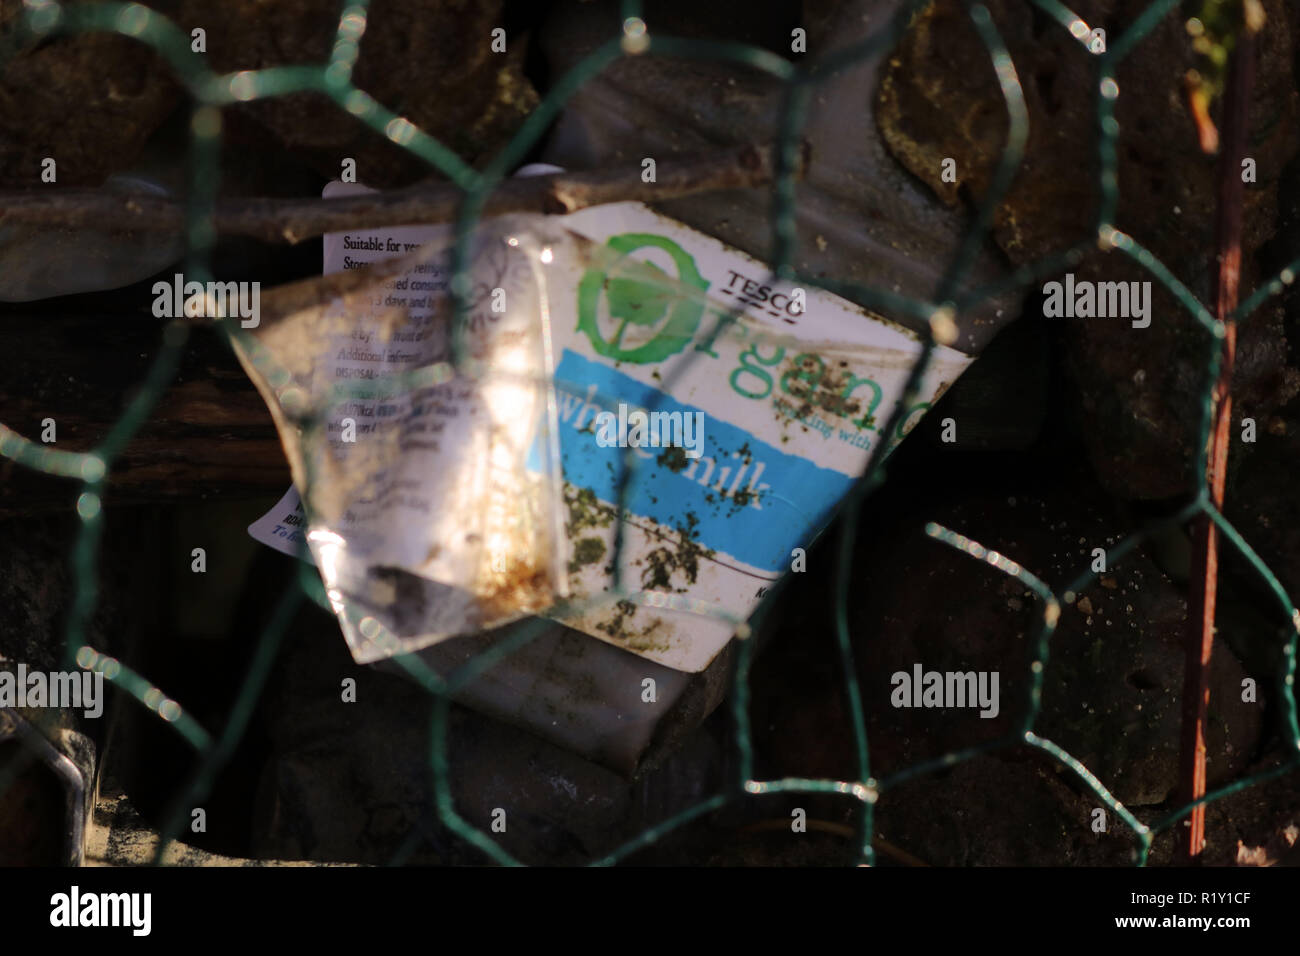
<point>792,499</point>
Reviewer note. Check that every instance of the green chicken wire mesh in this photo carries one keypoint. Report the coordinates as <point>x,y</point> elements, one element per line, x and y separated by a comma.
<point>210,92</point>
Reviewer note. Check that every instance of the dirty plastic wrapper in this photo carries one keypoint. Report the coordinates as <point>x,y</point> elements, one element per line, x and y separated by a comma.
<point>433,490</point>
<point>763,401</point>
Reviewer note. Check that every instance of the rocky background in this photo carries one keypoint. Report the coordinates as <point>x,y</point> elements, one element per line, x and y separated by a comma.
<point>1071,433</point>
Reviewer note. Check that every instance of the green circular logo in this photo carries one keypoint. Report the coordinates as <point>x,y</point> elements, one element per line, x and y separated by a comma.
<point>654,316</point>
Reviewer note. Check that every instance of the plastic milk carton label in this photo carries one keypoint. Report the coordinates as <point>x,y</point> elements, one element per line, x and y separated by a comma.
<point>791,397</point>
<point>709,416</point>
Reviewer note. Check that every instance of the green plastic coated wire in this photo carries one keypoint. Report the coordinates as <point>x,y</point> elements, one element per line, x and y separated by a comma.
<point>210,92</point>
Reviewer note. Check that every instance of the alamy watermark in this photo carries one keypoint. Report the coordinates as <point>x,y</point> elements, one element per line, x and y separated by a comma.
<point>1085,299</point>
<point>71,690</point>
<point>130,910</point>
<point>215,300</point>
<point>945,689</point>
<point>641,429</point>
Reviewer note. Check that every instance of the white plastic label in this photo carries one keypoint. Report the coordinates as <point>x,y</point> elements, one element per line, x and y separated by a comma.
<point>745,409</point>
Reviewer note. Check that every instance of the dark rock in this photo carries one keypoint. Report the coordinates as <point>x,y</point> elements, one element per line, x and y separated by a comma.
<point>1114,674</point>
<point>431,64</point>
<point>1138,389</point>
<point>88,101</point>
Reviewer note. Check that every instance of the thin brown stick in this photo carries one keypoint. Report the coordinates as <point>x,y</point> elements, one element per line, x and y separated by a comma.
<point>1205,556</point>
<point>292,220</point>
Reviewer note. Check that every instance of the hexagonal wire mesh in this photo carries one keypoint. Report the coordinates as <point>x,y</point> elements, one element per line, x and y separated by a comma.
<point>333,79</point>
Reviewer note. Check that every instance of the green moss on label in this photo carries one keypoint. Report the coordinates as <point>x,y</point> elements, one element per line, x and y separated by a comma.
<point>586,551</point>
<point>618,627</point>
<point>673,458</point>
<point>681,556</point>
<point>586,510</point>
